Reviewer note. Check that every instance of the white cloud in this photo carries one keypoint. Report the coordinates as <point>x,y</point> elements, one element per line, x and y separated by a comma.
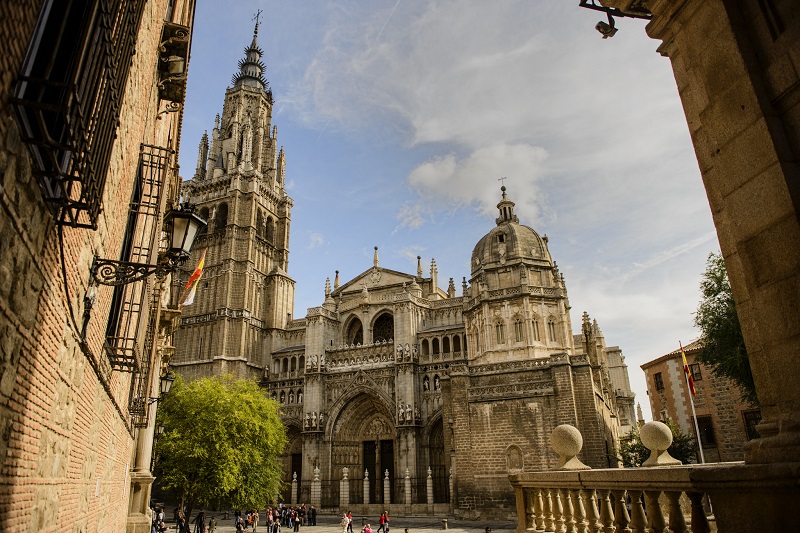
<point>315,240</point>
<point>410,216</point>
<point>447,182</point>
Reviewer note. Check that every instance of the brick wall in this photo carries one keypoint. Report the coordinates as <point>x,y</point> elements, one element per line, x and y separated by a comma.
<point>65,445</point>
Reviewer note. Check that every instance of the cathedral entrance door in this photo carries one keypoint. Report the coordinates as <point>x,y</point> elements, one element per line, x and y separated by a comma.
<point>297,468</point>
<point>378,456</point>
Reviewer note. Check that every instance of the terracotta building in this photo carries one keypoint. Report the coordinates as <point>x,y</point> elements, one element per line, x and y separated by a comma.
<point>724,420</point>
<point>392,379</point>
<point>90,99</point>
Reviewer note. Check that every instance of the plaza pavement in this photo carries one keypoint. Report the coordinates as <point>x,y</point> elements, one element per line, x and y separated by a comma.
<point>424,524</point>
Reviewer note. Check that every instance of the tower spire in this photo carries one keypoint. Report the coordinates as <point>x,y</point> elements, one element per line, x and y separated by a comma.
<point>506,208</point>
<point>251,68</point>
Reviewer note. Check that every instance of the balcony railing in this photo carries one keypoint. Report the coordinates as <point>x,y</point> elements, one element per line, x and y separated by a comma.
<point>578,499</point>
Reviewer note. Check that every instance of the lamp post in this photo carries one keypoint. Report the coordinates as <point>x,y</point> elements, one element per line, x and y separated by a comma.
<point>165,382</point>
<point>181,226</point>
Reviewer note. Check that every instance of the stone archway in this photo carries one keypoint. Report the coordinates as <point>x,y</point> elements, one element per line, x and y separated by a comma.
<point>363,438</point>
<point>292,461</point>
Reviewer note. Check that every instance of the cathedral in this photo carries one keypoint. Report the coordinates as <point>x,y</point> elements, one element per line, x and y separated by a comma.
<point>392,382</point>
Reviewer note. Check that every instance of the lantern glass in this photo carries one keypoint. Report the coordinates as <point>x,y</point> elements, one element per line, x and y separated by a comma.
<point>166,382</point>
<point>185,226</point>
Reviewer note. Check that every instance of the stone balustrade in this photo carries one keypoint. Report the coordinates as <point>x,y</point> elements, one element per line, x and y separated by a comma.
<point>578,499</point>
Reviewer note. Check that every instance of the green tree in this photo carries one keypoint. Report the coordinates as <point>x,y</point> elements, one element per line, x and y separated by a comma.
<point>633,453</point>
<point>723,351</point>
<point>221,444</point>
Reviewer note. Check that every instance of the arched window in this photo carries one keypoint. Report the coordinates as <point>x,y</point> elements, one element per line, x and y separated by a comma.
<point>291,396</point>
<point>285,365</point>
<point>204,215</point>
<point>302,364</point>
<point>276,366</point>
<point>383,330</point>
<point>457,343</point>
<point>519,332</point>
<point>514,462</point>
<point>283,397</point>
<point>270,229</point>
<point>424,348</point>
<point>274,396</point>
<point>435,344</point>
<point>446,345</point>
<point>551,329</point>
<point>355,332</point>
<point>500,333</point>
<point>299,395</point>
<point>536,334</point>
<point>293,364</point>
<point>221,217</point>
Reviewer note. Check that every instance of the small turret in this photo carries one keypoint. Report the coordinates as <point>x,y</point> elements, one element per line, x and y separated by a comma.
<point>202,156</point>
<point>251,68</point>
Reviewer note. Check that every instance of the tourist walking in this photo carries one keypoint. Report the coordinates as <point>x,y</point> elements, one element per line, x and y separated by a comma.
<point>212,525</point>
<point>382,522</point>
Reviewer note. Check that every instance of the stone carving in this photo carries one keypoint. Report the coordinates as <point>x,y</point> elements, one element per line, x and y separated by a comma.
<point>426,384</point>
<point>409,414</point>
<point>314,420</point>
<point>307,423</point>
<point>436,384</point>
<point>321,417</point>
<point>401,413</point>
<point>417,414</point>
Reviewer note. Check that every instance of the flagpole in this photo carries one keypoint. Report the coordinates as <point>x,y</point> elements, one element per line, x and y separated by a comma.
<point>691,400</point>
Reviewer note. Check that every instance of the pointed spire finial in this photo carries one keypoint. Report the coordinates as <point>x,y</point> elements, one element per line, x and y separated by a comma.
<point>419,266</point>
<point>336,281</point>
<point>375,261</point>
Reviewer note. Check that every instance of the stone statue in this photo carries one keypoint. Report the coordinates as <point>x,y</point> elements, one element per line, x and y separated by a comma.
<point>321,416</point>
<point>426,384</point>
<point>417,414</point>
<point>300,396</point>
<point>308,421</point>
<point>401,413</point>
<point>409,414</point>
<point>436,382</point>
<point>313,419</point>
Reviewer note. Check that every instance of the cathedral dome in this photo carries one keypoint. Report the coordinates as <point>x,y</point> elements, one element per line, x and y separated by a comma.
<point>509,241</point>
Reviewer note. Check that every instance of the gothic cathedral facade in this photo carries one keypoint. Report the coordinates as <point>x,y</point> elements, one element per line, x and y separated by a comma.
<point>392,382</point>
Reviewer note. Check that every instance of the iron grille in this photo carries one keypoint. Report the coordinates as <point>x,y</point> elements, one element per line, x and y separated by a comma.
<point>140,385</point>
<point>129,303</point>
<point>67,100</point>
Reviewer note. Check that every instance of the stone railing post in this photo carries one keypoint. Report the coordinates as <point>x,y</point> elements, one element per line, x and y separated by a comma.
<point>366,487</point>
<point>657,437</point>
<point>407,487</point>
<point>293,498</point>
<point>316,489</point>
<point>344,490</point>
<point>452,494</point>
<point>387,488</point>
<point>429,490</point>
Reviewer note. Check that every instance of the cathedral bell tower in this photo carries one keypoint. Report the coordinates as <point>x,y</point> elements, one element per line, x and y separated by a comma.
<point>239,187</point>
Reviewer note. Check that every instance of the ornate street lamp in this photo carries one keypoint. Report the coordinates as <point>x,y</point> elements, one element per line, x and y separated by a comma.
<point>165,381</point>
<point>181,226</point>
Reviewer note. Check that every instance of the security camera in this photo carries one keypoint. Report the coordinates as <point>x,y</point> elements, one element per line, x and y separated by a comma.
<point>607,30</point>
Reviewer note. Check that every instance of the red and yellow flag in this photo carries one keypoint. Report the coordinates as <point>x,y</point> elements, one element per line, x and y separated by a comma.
<point>689,378</point>
<point>191,286</point>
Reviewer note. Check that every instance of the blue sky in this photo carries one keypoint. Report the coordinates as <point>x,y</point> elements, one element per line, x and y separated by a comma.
<point>399,116</point>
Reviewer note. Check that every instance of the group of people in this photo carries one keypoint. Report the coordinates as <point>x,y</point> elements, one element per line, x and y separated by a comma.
<point>383,523</point>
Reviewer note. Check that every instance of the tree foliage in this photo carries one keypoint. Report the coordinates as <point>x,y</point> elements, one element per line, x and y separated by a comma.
<point>221,444</point>
<point>633,453</point>
<point>723,351</point>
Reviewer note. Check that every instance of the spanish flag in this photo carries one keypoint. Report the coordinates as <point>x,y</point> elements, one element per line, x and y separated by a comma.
<point>191,286</point>
<point>689,378</point>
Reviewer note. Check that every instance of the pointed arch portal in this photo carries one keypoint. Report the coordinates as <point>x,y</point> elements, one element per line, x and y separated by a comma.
<point>363,437</point>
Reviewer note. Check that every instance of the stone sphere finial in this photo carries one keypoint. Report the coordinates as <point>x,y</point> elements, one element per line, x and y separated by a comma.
<point>567,442</point>
<point>657,437</point>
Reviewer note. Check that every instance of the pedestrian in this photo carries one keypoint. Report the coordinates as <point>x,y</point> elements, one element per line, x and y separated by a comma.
<point>312,516</point>
<point>382,522</point>
<point>386,520</point>
<point>255,520</point>
<point>344,523</point>
<point>200,523</point>
<point>367,529</point>
<point>212,525</point>
<point>349,522</point>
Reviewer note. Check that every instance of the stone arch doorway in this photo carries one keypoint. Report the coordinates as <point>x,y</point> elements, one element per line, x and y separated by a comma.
<point>438,463</point>
<point>363,438</point>
<point>292,463</point>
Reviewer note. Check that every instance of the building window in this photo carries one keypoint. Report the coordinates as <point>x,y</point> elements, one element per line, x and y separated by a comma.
<point>659,381</point>
<point>501,333</point>
<point>551,330</point>
<point>751,419</point>
<point>706,427</point>
<point>519,334</point>
<point>536,336</point>
<point>67,100</point>
<point>694,368</point>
